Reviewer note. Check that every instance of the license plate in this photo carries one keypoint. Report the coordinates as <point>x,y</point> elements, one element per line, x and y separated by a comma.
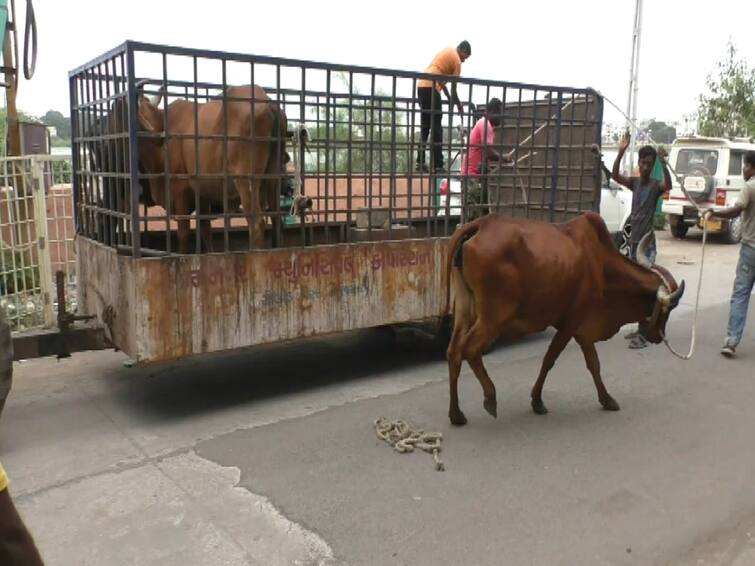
<point>713,225</point>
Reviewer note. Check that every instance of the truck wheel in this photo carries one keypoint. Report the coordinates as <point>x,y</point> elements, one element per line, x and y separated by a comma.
<point>6,360</point>
<point>678,228</point>
<point>733,231</point>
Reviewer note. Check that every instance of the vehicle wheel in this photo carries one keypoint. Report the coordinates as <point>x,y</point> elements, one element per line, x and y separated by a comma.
<point>6,360</point>
<point>679,230</point>
<point>733,231</point>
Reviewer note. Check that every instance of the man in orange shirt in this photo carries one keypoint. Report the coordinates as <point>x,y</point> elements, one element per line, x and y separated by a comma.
<point>447,62</point>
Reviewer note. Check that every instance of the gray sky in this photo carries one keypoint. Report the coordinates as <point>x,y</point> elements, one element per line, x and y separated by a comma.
<point>569,43</point>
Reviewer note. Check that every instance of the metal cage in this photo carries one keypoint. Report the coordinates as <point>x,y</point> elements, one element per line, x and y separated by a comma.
<point>344,169</point>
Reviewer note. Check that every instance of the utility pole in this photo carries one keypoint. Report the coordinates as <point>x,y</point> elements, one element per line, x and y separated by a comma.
<point>634,70</point>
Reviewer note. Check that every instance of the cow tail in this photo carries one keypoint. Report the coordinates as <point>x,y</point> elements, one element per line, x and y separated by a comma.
<point>454,256</point>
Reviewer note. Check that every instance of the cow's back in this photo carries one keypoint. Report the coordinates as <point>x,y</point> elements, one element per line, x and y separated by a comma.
<point>544,269</point>
<point>211,119</point>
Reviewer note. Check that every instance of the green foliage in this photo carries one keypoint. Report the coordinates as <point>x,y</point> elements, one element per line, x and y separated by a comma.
<point>661,132</point>
<point>374,127</point>
<point>728,109</point>
<point>62,172</point>
<point>61,123</point>
<point>13,277</point>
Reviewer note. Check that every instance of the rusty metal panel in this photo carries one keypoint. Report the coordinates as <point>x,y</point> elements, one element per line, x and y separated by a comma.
<point>107,289</point>
<point>558,177</point>
<point>199,304</point>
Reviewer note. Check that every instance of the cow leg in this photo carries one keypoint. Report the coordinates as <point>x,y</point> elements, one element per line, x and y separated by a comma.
<point>557,345</point>
<point>475,343</point>
<point>593,364</point>
<point>488,388</point>
<point>454,370</point>
<point>464,317</point>
<point>250,202</point>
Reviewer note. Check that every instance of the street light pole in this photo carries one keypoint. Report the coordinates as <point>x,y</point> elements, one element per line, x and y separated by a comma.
<point>634,70</point>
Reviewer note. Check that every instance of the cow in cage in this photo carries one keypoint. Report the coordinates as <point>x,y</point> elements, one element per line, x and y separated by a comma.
<point>217,153</point>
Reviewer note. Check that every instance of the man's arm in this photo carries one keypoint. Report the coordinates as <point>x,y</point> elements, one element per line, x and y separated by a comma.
<point>744,201</point>
<point>731,212</point>
<point>453,97</point>
<point>492,154</point>
<point>618,177</point>
<point>663,154</point>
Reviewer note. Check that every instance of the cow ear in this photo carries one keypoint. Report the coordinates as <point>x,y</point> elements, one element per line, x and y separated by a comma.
<point>145,117</point>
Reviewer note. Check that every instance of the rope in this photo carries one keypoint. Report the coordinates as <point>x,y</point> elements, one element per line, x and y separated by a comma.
<point>299,203</point>
<point>31,30</point>
<point>404,439</point>
<point>704,214</point>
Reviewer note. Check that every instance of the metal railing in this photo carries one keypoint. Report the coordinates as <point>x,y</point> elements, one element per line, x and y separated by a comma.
<point>148,173</point>
<point>36,238</point>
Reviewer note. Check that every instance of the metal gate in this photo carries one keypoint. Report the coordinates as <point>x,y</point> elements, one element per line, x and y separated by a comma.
<point>36,239</point>
<point>134,156</point>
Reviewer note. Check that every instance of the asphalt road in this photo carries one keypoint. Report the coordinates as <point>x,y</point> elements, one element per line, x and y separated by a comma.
<point>270,457</point>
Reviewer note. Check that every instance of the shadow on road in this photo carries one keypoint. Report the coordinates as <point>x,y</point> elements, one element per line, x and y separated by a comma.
<point>219,381</point>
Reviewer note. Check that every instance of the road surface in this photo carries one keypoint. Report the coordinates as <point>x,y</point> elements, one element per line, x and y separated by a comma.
<point>270,457</point>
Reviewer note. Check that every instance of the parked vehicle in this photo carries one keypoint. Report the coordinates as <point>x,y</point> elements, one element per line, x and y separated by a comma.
<point>711,171</point>
<point>615,208</point>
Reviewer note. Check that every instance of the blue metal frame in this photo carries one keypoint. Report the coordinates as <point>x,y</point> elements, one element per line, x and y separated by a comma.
<point>330,102</point>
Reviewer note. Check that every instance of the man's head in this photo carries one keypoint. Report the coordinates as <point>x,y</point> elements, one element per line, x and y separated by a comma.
<point>464,50</point>
<point>494,112</point>
<point>646,161</point>
<point>749,166</point>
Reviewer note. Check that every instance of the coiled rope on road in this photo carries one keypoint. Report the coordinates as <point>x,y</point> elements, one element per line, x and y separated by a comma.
<point>404,439</point>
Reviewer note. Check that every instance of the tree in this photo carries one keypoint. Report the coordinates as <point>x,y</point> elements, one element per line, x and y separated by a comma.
<point>60,122</point>
<point>661,132</point>
<point>364,134</point>
<point>728,109</point>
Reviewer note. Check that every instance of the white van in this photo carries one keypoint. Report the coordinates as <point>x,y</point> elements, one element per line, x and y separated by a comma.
<point>711,170</point>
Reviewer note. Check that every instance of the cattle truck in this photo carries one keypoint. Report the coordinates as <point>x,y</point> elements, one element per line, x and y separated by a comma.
<point>363,243</point>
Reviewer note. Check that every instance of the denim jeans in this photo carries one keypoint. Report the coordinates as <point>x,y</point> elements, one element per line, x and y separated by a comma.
<point>740,296</point>
<point>651,251</point>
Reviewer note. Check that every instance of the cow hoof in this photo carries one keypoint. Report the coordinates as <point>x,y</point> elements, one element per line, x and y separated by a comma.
<point>539,407</point>
<point>491,406</point>
<point>457,418</point>
<point>610,404</point>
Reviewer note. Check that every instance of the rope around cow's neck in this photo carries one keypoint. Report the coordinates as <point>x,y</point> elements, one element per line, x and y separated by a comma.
<point>700,211</point>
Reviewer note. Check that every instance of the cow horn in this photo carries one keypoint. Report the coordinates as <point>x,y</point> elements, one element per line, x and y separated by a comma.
<point>155,100</point>
<point>676,296</point>
<point>641,248</point>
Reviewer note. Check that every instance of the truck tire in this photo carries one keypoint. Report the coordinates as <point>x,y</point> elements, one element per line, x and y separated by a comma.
<point>733,231</point>
<point>679,228</point>
<point>6,360</point>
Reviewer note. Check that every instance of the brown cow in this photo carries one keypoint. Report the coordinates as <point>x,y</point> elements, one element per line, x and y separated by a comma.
<point>254,164</point>
<point>517,277</point>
